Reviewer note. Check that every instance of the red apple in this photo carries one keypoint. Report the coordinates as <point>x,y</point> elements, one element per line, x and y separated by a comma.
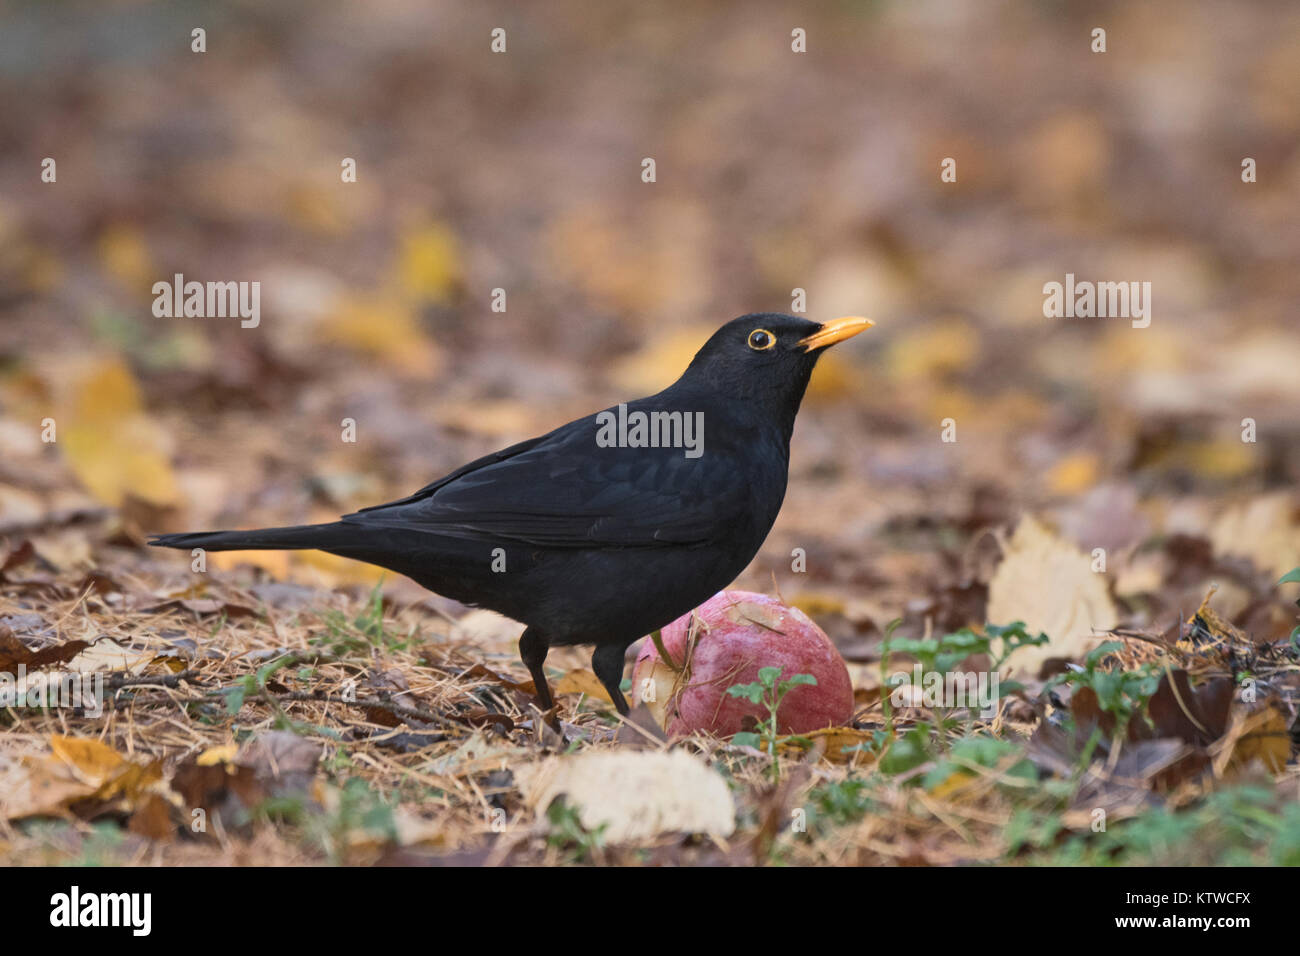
<point>725,641</point>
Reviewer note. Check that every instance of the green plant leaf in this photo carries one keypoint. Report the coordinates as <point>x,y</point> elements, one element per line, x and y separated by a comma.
<point>751,692</point>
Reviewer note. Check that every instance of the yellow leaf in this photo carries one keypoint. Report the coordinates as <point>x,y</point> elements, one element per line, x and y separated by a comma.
<point>386,329</point>
<point>224,753</point>
<point>125,459</point>
<point>832,378</point>
<point>815,603</point>
<point>429,266</point>
<point>275,563</point>
<point>334,570</point>
<point>582,681</point>
<point>1073,474</point>
<point>1223,460</point>
<point>662,360</point>
<point>112,446</point>
<point>933,352</point>
<point>91,760</point>
<point>842,744</point>
<point>952,783</point>
<point>124,255</point>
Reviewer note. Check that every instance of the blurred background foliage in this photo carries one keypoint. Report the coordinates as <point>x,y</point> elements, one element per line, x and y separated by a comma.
<point>775,171</point>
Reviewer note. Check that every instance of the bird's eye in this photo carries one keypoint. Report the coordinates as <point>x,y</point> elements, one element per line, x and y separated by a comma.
<point>760,340</point>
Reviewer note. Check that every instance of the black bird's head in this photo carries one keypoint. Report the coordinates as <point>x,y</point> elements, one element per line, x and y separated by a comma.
<point>766,357</point>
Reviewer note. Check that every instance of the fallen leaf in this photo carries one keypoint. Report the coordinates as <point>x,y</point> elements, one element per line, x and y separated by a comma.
<point>39,786</point>
<point>386,329</point>
<point>1261,736</point>
<point>14,652</point>
<point>1073,474</point>
<point>1265,530</point>
<point>837,744</point>
<point>106,654</point>
<point>634,794</point>
<point>112,446</point>
<point>1049,585</point>
<point>429,266</point>
<point>92,761</point>
<point>582,681</point>
<point>215,756</point>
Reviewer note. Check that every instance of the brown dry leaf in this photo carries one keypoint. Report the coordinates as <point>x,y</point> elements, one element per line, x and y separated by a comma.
<point>1266,530</point>
<point>106,654</point>
<point>277,754</point>
<point>201,607</point>
<point>153,819</point>
<point>581,680</point>
<point>482,672</point>
<point>1197,715</point>
<point>634,794</point>
<point>14,652</point>
<point>113,447</point>
<point>1050,585</point>
<point>18,555</point>
<point>39,786</point>
<point>1261,735</point>
<point>217,786</point>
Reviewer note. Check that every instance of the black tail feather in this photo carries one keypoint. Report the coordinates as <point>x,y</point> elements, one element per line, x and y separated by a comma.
<point>336,534</point>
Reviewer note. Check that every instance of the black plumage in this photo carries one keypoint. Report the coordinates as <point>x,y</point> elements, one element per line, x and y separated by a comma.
<point>585,543</point>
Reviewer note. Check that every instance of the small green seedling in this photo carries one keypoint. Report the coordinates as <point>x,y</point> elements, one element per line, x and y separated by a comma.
<point>768,692</point>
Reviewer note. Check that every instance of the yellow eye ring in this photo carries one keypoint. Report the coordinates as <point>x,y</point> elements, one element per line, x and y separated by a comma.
<point>760,340</point>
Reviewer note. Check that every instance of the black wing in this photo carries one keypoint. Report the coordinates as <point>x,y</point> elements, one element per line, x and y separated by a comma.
<point>562,491</point>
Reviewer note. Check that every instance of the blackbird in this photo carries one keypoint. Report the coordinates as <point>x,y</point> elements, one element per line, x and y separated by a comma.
<point>611,526</point>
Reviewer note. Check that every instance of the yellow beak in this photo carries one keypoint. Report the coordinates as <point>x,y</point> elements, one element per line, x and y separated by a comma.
<point>836,330</point>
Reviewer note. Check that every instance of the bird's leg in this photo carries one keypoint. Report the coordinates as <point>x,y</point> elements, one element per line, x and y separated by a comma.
<point>607,662</point>
<point>533,648</point>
